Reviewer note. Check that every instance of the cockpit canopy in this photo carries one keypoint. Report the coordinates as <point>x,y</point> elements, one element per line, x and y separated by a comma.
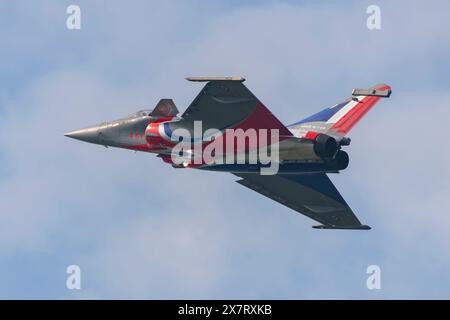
<point>141,113</point>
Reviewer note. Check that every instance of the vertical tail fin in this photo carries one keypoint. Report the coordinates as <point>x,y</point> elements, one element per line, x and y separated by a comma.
<point>342,117</point>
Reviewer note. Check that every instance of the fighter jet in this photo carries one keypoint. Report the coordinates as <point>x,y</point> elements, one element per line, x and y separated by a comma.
<point>301,154</point>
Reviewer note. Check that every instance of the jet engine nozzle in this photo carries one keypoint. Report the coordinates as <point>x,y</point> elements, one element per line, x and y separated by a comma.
<point>340,161</point>
<point>325,146</point>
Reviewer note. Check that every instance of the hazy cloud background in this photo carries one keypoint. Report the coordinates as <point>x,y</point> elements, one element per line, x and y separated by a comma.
<point>140,229</point>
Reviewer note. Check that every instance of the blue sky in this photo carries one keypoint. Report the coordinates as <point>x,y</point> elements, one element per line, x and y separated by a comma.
<point>140,229</point>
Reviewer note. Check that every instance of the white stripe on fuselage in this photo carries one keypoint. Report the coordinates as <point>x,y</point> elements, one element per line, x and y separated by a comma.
<point>338,115</point>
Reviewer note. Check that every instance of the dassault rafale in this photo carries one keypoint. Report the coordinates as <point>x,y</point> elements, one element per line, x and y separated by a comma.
<point>226,128</point>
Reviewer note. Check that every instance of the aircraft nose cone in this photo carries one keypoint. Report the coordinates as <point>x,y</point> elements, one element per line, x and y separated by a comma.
<point>90,134</point>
